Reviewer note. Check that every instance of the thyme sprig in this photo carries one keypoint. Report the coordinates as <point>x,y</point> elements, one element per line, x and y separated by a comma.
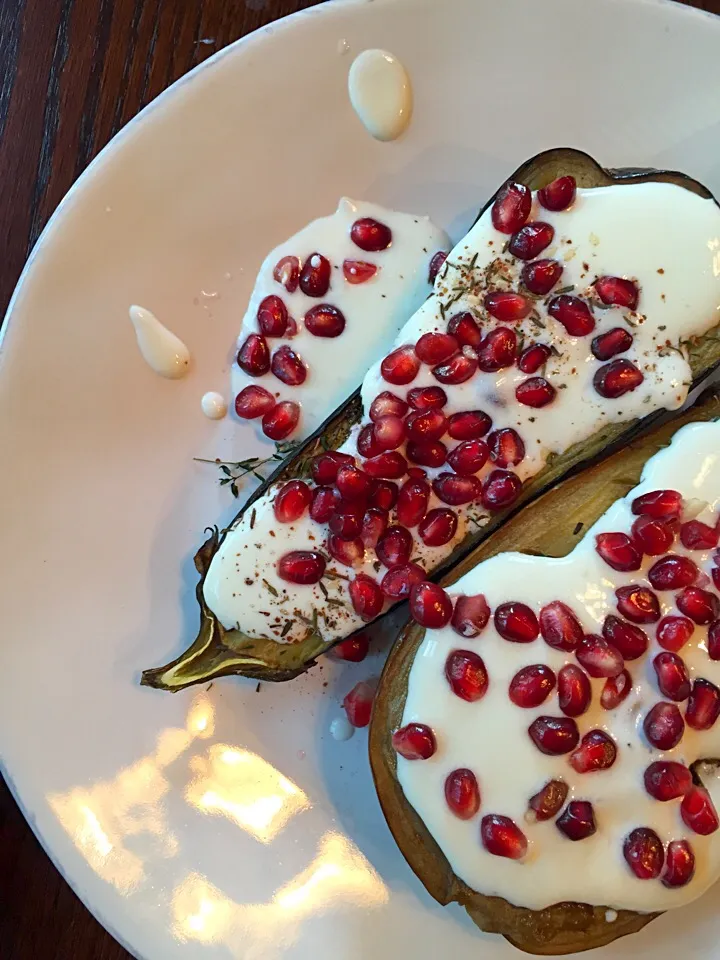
<point>232,471</point>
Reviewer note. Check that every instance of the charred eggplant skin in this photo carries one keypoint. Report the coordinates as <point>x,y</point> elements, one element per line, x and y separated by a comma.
<point>218,652</point>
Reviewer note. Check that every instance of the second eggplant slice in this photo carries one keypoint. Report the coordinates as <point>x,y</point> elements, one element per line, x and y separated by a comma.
<point>219,651</point>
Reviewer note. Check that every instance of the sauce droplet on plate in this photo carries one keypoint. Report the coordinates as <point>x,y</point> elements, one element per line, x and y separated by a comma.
<point>214,405</point>
<point>341,728</point>
<point>163,352</point>
<point>380,93</point>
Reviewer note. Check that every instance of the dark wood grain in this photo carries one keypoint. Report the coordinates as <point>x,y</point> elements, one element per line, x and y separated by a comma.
<point>72,72</point>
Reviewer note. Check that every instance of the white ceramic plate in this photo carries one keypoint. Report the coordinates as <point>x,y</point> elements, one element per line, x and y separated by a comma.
<point>226,823</point>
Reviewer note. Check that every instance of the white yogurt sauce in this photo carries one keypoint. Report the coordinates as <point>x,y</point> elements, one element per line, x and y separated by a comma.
<point>213,405</point>
<point>165,353</point>
<point>374,311</point>
<point>510,769</point>
<point>341,729</point>
<point>380,93</point>
<point>632,230</point>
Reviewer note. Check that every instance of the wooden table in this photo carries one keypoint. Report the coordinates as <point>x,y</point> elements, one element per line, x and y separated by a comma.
<point>72,72</point>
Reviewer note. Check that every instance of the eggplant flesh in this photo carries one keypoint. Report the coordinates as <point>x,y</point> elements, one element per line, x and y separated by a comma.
<point>218,651</point>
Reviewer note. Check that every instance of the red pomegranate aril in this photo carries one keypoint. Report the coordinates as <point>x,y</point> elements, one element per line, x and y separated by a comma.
<point>438,527</point>
<point>374,525</point>
<point>615,690</point>
<point>401,366</point>
<point>416,741</point>
<point>292,328</point>
<point>468,425</point>
<point>532,685</point>
<point>459,368</point>
<point>654,537</point>
<point>358,704</point>
<point>254,356</point>
<point>506,447</point>
<point>386,404</point>
<point>500,489</point>
<point>660,504</point>
<point>573,313</point>
<point>616,291</point>
<point>386,466</point>
<point>325,467</point>
<point>617,378</point>
<point>672,633</point>
<point>535,392</point>
<point>367,445</point>
<point>574,690</point>
<point>618,551</point>
<point>395,546</point>
<point>398,582</point>
<point>370,235</point>
<point>533,357</point>
<point>272,317</point>
<point>559,626</point>
<point>462,793</point>
<point>597,751</point>
<point>430,453</point>
<point>430,606</point>
<point>703,707</point>
<point>507,307</point>
<point>554,735</point>
<point>353,484</point>
<point>667,780</point>
<point>389,432</point>
<point>672,573</point>
<point>347,552</point>
<point>287,272</point>
<point>427,398</point>
<point>698,811</point>
<point>292,501</point>
<point>531,240</point>
<point>325,320</point>
<point>280,422</point>
<point>701,606</point>
<point>497,350</point>
<point>511,207</point>
<point>287,366</point>
<point>470,615</point>
<point>599,657</point>
<point>664,726</point>
<point>644,854</point>
<point>466,330</point>
<point>631,641</point>
<point>301,566</point>
<point>315,276</point>
<point>548,802</point>
<point>502,837</point>
<point>713,640</point>
<point>696,535</point>
<point>559,194</point>
<point>716,576</point>
<point>354,649</point>
<point>540,276</point>
<point>466,673</point>
<point>383,494</point>
<point>638,604</point>
<point>434,348</point>
<point>253,402</point>
<point>436,262</point>
<point>426,425</point>
<point>324,503</point>
<point>412,502</point>
<point>455,490</point>
<point>577,821</point>
<point>469,457</point>
<point>346,522</point>
<point>679,864</point>
<point>366,596</point>
<point>516,622</point>
<point>609,344</point>
<point>358,271</point>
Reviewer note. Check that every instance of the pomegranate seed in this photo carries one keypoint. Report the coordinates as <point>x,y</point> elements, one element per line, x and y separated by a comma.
<point>415,741</point>
<point>638,604</point>
<point>413,502</point>
<point>469,457</point>
<point>532,358</point>
<point>315,276</point>
<point>430,606</point>
<point>389,432</point>
<point>459,368</point>
<point>703,707</point>
<point>358,271</point>
<point>366,597</point>
<point>617,378</point>
<point>673,632</point>
<point>698,811</point>
<point>291,329</point>
<point>507,307</point>
<point>280,422</point>
<point>535,392</point>
<point>664,726</point>
<point>618,292</point>
<point>324,502</point>
<point>597,751</point>
<point>631,641</point>
<point>516,622</point>
<point>426,425</point>
<point>679,864</point>
<point>287,366</point>
<point>559,194</point>
<point>324,320</point>
<point>358,704</point>
<point>398,582</point>
<point>511,207</point>
<point>667,780</point>
<point>383,494</point>
<point>455,490</point>
<point>497,350</point>
<point>672,573</point>
<point>374,526</point>
<point>395,546</point>
<point>386,404</point>
<point>301,566</point>
<point>574,690</point>
<point>599,657</point>
<point>464,327</point>
<point>700,606</point>
<point>500,488</point>
<point>354,649</point>
<point>615,690</point>
<point>466,674</point>
<point>618,551</point>
<point>430,453</point>
<point>540,276</point>
<point>287,272</point>
<point>502,837</point>
<point>574,314</point>
<point>387,466</point>
<point>559,626</point>
<point>367,446</point>
<point>554,735</point>
<point>401,366</point>
<point>468,425</point>
<point>548,802</point>
<point>506,447</point>
<point>292,501</point>
<point>462,793</point>
<point>696,535</point>
<point>609,344</point>
<point>532,685</point>
<point>347,552</point>
<point>254,356</point>
<point>716,576</point>
<point>531,240</point>
<point>427,398</point>
<point>643,851</point>
<point>353,483</point>
<point>272,317</point>
<point>660,504</point>
<point>713,640</point>
<point>577,821</point>
<point>470,616</point>
<point>654,537</point>
<point>325,467</point>
<point>436,263</point>
<point>346,523</point>
<point>434,348</point>
<point>438,527</point>
<point>370,235</point>
<point>253,402</point>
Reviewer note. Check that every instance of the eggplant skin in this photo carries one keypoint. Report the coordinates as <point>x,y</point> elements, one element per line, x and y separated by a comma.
<point>218,652</point>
